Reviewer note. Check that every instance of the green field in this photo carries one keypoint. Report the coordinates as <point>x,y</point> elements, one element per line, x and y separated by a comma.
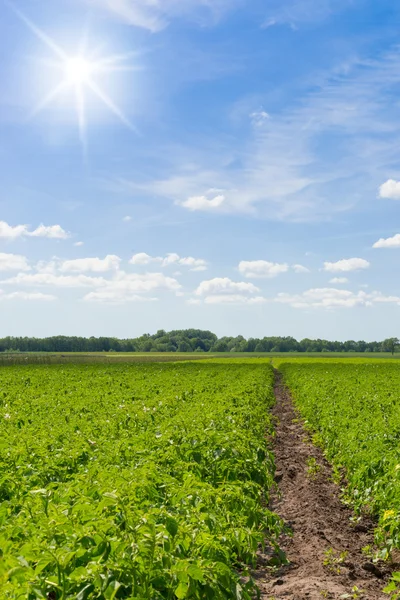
<point>10,358</point>
<point>151,480</point>
<point>133,481</point>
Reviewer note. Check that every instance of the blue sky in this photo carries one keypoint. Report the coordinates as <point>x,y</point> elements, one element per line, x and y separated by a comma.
<point>230,165</point>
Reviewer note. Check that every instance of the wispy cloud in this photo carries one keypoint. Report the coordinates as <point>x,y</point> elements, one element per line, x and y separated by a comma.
<point>296,13</point>
<point>155,15</point>
<point>332,298</point>
<point>320,155</point>
<point>27,296</point>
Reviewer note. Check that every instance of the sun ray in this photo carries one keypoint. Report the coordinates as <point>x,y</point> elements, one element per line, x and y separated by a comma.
<point>40,34</point>
<point>108,102</point>
<point>115,59</point>
<point>49,98</point>
<point>80,109</point>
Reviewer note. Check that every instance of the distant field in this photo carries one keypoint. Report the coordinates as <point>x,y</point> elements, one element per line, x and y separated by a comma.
<point>113,357</point>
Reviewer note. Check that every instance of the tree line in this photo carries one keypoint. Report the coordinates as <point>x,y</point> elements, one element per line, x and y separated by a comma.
<point>189,340</point>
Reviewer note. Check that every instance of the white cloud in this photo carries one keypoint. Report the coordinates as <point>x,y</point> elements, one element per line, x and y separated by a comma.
<point>10,232</point>
<point>203,203</point>
<point>224,285</point>
<point>295,13</point>
<point>233,299</point>
<point>128,287</point>
<point>28,296</point>
<point>339,280</point>
<point>13,262</point>
<point>282,169</point>
<point>155,15</point>
<point>122,287</point>
<point>127,219</point>
<point>392,242</point>
<point>116,297</point>
<point>261,268</point>
<point>258,118</point>
<point>325,298</point>
<point>346,265</point>
<point>94,265</point>
<point>331,298</point>
<point>79,244</point>
<point>55,232</point>
<point>300,269</point>
<point>194,264</point>
<point>51,280</point>
<point>141,259</point>
<point>390,189</point>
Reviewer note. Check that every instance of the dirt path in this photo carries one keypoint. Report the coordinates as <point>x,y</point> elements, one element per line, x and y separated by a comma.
<point>321,525</point>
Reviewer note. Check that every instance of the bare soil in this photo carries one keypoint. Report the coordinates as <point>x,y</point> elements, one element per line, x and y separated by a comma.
<point>323,532</point>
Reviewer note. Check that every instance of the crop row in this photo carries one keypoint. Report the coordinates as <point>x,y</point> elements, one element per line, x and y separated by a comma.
<point>133,481</point>
<point>354,411</point>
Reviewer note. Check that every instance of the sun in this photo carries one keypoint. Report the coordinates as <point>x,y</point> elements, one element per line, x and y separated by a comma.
<point>79,75</point>
<point>78,70</point>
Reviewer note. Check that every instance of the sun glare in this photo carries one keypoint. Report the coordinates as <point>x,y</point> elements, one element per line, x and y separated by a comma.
<point>78,70</point>
<point>80,76</point>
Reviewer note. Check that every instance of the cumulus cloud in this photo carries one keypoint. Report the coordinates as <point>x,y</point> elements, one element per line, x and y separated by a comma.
<point>121,287</point>
<point>233,299</point>
<point>128,287</point>
<point>391,242</point>
<point>51,280</point>
<point>390,189</point>
<point>13,262</point>
<point>300,269</point>
<point>94,265</point>
<point>141,259</point>
<point>346,265</point>
<point>78,244</point>
<point>55,232</point>
<point>127,219</point>
<point>116,297</point>
<point>203,203</point>
<point>224,285</point>
<point>194,264</point>
<point>261,268</point>
<point>325,298</point>
<point>10,232</point>
<point>331,298</point>
<point>339,280</point>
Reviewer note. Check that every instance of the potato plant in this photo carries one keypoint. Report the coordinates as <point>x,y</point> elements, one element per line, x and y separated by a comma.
<point>354,409</point>
<point>137,481</point>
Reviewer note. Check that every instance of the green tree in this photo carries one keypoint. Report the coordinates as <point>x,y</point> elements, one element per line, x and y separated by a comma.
<point>390,345</point>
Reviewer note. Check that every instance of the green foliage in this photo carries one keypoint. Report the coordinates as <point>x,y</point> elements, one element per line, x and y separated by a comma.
<point>191,340</point>
<point>393,588</point>
<point>133,481</point>
<point>354,408</point>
